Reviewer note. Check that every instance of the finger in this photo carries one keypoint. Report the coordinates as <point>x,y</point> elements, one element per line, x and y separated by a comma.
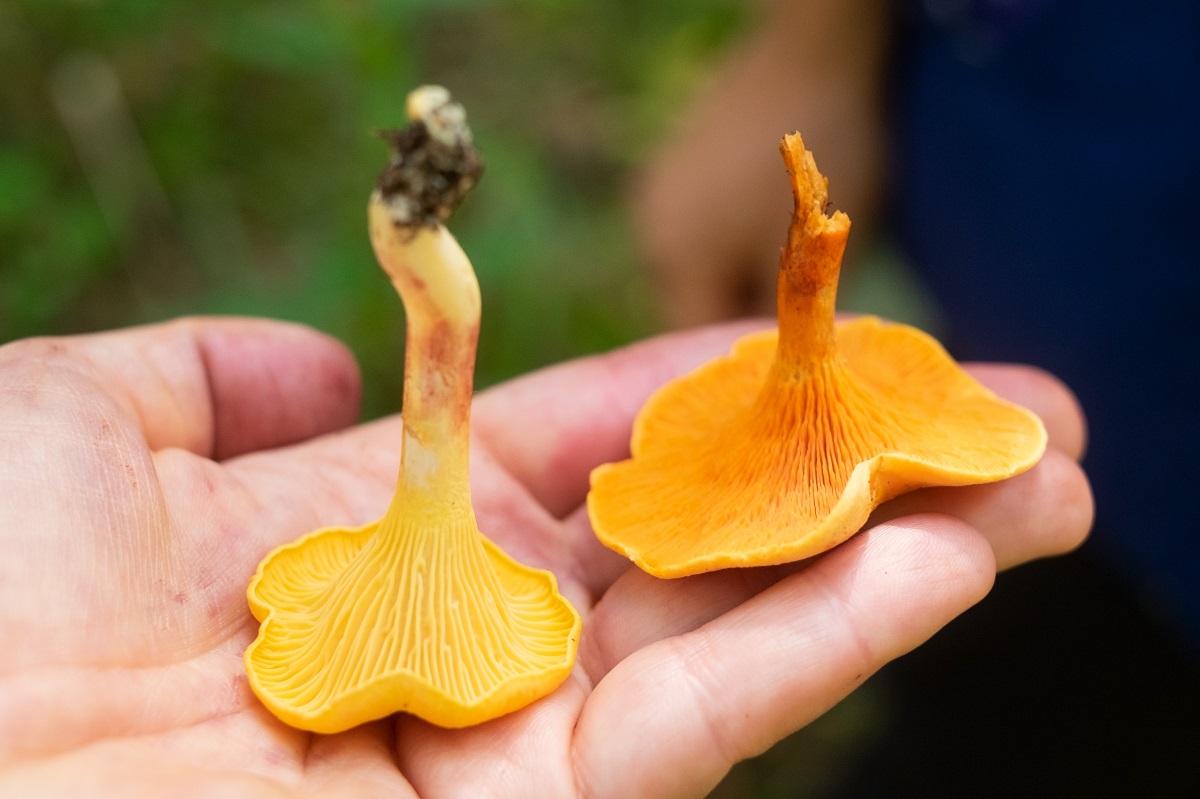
<point>638,610</point>
<point>272,384</point>
<point>216,387</point>
<point>597,566</point>
<point>347,479</point>
<point>359,762</point>
<point>550,428</point>
<point>1046,511</point>
<point>510,517</point>
<point>537,439</point>
<point>673,717</point>
<point>519,755</point>
<point>46,712</point>
<point>1045,395</point>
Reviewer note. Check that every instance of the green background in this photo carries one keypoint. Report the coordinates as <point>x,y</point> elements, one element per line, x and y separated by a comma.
<point>215,157</point>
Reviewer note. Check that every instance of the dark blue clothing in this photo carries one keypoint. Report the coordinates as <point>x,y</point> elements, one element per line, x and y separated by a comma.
<point>1048,190</point>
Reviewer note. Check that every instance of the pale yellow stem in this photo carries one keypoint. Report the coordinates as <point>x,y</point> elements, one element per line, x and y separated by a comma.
<point>441,301</point>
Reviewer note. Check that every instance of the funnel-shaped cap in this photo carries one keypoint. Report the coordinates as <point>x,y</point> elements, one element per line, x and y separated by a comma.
<point>783,448</point>
<point>404,615</point>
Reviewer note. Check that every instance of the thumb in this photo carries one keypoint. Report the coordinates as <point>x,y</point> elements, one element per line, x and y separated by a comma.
<point>217,387</point>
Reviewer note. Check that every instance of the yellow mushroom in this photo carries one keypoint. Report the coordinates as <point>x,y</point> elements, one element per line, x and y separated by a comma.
<point>781,449</point>
<point>417,612</point>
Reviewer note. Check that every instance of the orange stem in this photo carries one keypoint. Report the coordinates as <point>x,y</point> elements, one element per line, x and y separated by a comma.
<point>809,265</point>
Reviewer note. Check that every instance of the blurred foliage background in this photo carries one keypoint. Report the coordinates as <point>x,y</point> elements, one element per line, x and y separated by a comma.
<point>160,159</point>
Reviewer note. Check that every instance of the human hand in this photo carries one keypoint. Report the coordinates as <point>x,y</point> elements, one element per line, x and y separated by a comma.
<point>145,472</point>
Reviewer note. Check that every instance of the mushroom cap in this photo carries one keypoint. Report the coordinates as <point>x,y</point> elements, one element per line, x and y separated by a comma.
<point>748,462</point>
<point>408,614</point>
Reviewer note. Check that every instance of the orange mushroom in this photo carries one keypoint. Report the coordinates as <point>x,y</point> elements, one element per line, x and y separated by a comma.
<point>781,449</point>
<point>417,612</point>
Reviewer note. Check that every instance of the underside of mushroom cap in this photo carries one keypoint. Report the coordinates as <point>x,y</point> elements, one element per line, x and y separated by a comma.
<point>404,616</point>
<point>738,464</point>
<point>782,449</point>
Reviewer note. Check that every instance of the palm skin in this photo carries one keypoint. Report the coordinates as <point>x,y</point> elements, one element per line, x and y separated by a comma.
<point>145,472</point>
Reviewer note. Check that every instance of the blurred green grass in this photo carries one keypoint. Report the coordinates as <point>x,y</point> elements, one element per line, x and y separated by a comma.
<point>159,159</point>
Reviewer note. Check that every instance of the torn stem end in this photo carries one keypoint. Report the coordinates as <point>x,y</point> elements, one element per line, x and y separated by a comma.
<point>811,261</point>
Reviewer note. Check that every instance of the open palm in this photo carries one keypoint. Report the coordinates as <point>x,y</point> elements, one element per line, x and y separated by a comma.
<point>144,473</point>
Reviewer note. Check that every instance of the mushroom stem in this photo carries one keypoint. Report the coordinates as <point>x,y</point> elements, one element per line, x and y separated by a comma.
<point>441,300</point>
<point>417,612</point>
<point>808,266</point>
<point>433,166</point>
